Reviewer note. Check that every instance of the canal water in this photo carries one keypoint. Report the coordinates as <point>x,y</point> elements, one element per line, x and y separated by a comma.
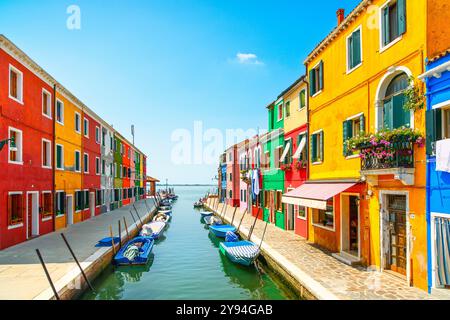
<point>187,264</point>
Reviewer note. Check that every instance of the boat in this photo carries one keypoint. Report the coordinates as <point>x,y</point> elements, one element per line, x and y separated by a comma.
<point>153,230</point>
<point>135,252</point>
<point>211,220</point>
<point>161,217</point>
<point>221,230</point>
<point>240,252</point>
<point>165,208</point>
<point>168,212</point>
<point>198,205</point>
<point>206,214</point>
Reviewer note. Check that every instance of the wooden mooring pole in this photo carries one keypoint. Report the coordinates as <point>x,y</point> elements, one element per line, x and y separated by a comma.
<point>126,228</point>
<point>112,240</point>
<point>47,274</point>
<point>78,263</point>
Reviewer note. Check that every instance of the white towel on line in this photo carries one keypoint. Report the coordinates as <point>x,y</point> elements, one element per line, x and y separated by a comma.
<point>443,155</point>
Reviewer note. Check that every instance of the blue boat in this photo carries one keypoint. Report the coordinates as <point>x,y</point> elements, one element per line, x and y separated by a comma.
<point>241,252</point>
<point>221,230</point>
<point>206,214</point>
<point>135,252</point>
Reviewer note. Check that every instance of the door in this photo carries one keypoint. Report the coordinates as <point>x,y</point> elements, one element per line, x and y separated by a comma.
<point>32,214</point>
<point>353,223</point>
<point>290,216</point>
<point>396,257</point>
<point>69,209</point>
<point>272,206</point>
<point>92,204</point>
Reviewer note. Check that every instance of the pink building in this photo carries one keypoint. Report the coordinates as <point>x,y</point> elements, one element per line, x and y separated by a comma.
<point>233,176</point>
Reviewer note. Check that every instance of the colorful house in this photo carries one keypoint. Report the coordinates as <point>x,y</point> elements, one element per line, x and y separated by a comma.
<point>107,167</point>
<point>232,176</point>
<point>295,153</point>
<point>222,178</point>
<point>273,175</point>
<point>245,161</point>
<point>366,210</point>
<point>126,173</point>
<point>26,174</point>
<point>118,171</point>
<point>437,78</point>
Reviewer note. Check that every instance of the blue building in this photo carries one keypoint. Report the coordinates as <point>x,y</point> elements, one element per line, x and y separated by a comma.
<point>222,178</point>
<point>437,79</point>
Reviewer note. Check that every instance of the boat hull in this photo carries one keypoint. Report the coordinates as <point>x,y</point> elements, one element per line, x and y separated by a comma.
<point>242,252</point>
<point>141,259</point>
<point>220,231</point>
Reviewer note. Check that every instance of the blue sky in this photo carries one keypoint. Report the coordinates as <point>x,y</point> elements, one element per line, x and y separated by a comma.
<point>161,65</point>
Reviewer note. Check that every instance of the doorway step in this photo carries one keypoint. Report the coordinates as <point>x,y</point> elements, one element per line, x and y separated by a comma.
<point>347,258</point>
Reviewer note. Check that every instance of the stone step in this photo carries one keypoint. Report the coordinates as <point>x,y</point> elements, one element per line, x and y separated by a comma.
<point>347,258</point>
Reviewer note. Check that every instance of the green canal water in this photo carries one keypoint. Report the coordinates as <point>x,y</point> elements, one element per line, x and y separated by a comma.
<point>187,264</point>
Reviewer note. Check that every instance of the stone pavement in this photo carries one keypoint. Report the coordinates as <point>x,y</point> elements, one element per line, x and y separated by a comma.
<point>323,275</point>
<point>21,274</point>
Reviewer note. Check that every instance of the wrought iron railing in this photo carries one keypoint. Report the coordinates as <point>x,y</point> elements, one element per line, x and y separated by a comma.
<point>401,156</point>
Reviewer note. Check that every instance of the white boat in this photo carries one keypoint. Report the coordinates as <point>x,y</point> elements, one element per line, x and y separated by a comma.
<point>153,229</point>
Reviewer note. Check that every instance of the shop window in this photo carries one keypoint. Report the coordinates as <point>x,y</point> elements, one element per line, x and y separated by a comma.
<point>324,218</point>
<point>47,204</point>
<point>15,209</point>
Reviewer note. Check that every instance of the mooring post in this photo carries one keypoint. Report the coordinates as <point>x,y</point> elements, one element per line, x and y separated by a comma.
<point>112,240</point>
<point>47,274</point>
<point>139,217</point>
<point>126,228</point>
<point>253,226</point>
<point>120,235</point>
<point>76,261</point>
<point>234,213</point>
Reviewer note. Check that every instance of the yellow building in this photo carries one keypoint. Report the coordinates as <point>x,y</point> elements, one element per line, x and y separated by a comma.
<point>358,76</point>
<point>68,144</point>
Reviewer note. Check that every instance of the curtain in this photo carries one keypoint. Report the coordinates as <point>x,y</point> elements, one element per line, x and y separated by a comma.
<point>442,227</point>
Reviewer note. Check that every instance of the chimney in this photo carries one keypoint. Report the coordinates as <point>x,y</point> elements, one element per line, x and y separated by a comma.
<point>340,16</point>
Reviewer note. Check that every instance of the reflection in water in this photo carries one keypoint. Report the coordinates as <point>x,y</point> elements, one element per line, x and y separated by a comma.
<point>187,264</point>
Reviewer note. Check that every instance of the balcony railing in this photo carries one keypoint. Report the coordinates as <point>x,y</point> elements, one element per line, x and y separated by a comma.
<point>399,155</point>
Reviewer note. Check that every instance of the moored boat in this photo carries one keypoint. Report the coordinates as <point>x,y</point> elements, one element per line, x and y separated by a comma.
<point>135,252</point>
<point>198,205</point>
<point>211,220</point>
<point>205,214</point>
<point>240,252</point>
<point>153,230</point>
<point>220,231</point>
<point>161,217</point>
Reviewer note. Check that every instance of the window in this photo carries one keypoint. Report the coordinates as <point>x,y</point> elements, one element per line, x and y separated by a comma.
<point>46,104</point>
<point>97,166</point>
<point>79,200</point>
<point>121,148</point>
<point>103,167</point>
<point>301,154</point>
<point>46,154</point>
<point>302,98</point>
<point>438,127</point>
<point>59,157</point>
<point>77,161</point>
<point>300,212</point>
<point>86,127</point>
<point>280,111</point>
<point>354,50</point>
<point>317,143</point>
<point>103,137</point>
<point>230,194</point>
<point>352,127</point>
<point>97,135</point>
<point>324,218</point>
<point>121,172</point>
<point>288,158</point>
<point>316,79</point>
<point>287,108</point>
<point>15,146</point>
<point>15,84</point>
<point>277,157</point>
<point>60,203</point>
<point>446,123</point>
<point>393,21</point>
<point>394,115</point>
<point>77,122</point>
<point>98,198</point>
<point>15,208</point>
<point>59,112</point>
<point>86,163</point>
<point>231,177</point>
<point>279,204</point>
<point>47,204</point>
<point>86,199</point>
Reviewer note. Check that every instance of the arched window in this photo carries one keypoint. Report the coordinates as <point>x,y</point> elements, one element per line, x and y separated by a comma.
<point>394,115</point>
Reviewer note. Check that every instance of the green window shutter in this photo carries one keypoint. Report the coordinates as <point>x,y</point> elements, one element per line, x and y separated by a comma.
<point>347,134</point>
<point>362,121</point>
<point>312,81</point>
<point>401,117</point>
<point>387,114</point>
<point>401,16</point>
<point>434,129</point>
<point>321,145</point>
<point>356,48</point>
<point>58,156</point>
<point>320,75</point>
<point>386,31</point>
<point>313,148</point>
<point>350,51</point>
<point>302,99</point>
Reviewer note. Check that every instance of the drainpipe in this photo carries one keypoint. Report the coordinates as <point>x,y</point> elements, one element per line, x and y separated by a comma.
<point>54,157</point>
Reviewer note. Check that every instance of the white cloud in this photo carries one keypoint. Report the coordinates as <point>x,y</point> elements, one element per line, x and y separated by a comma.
<point>247,58</point>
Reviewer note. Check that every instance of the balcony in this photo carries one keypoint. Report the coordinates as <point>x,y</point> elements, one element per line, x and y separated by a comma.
<point>387,153</point>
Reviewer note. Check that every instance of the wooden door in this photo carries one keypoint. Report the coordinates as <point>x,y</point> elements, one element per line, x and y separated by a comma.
<point>397,259</point>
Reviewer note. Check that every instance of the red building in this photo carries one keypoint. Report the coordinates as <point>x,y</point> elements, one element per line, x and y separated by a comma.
<point>126,185</point>
<point>91,178</point>
<point>295,177</point>
<point>26,166</point>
